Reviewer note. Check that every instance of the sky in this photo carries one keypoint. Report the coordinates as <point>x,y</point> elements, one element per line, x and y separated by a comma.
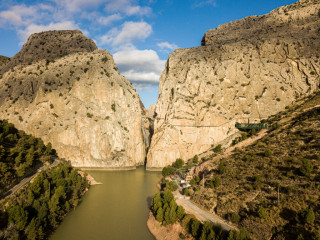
<point>140,34</point>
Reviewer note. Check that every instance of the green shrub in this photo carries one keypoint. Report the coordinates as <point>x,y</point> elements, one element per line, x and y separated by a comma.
<point>262,212</point>
<point>267,153</point>
<point>113,107</point>
<point>182,236</point>
<point>178,163</point>
<point>89,115</point>
<point>216,182</point>
<point>222,167</point>
<point>306,216</point>
<point>192,182</point>
<point>235,218</point>
<point>195,159</point>
<point>166,171</point>
<point>218,149</point>
<point>306,167</point>
<point>172,186</point>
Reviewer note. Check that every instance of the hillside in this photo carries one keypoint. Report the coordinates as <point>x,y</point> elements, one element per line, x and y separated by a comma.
<point>271,187</point>
<point>245,70</point>
<point>3,60</point>
<point>20,155</point>
<point>61,88</point>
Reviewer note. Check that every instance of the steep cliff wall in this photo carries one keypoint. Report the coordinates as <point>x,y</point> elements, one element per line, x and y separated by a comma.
<point>245,70</point>
<point>78,101</point>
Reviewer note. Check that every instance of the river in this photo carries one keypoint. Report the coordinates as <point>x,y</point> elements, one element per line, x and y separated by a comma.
<point>115,210</point>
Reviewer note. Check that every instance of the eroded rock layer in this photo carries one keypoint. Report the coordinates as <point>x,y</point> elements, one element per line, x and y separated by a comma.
<point>77,101</point>
<point>245,70</point>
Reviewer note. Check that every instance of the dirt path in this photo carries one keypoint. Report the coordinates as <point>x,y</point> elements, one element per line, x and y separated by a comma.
<point>201,214</point>
<point>28,179</point>
<point>209,164</point>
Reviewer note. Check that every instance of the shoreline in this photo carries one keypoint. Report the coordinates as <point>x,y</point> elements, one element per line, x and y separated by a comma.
<point>160,232</point>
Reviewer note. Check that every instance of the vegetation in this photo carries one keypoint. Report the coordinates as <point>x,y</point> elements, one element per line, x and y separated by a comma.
<point>178,163</point>
<point>272,186</point>
<point>20,155</point>
<point>166,171</point>
<point>40,207</point>
<point>166,211</point>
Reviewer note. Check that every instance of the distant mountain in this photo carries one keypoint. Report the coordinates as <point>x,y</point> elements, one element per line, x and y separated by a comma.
<point>245,70</point>
<point>61,88</point>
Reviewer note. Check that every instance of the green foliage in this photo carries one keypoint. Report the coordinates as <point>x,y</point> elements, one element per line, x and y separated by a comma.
<point>306,167</point>
<point>234,217</point>
<point>262,212</point>
<point>216,182</point>
<point>195,159</point>
<point>195,227</point>
<point>218,149</point>
<point>178,163</point>
<point>41,207</point>
<point>192,182</point>
<point>159,216</point>
<point>165,209</point>
<point>244,136</point>
<point>186,192</point>
<point>267,153</point>
<point>172,186</point>
<point>113,107</point>
<point>89,115</point>
<point>166,171</point>
<point>222,167</point>
<point>306,216</point>
<point>20,155</point>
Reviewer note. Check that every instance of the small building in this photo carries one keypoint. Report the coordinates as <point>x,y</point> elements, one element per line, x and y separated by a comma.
<point>185,185</point>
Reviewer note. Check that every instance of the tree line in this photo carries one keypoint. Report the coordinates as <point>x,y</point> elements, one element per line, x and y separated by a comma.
<point>20,155</point>
<point>39,208</point>
<point>166,211</point>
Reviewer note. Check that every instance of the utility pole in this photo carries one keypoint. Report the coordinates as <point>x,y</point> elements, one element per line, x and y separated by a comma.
<point>203,180</point>
<point>278,195</point>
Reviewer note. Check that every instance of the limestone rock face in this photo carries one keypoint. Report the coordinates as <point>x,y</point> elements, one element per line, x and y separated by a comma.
<point>245,70</point>
<point>79,102</point>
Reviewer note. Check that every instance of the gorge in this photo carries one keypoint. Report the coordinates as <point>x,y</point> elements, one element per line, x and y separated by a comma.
<point>61,88</point>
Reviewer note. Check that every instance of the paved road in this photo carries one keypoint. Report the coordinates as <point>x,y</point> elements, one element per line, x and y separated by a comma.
<point>201,214</point>
<point>28,179</point>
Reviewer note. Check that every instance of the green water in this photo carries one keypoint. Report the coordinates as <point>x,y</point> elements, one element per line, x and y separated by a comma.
<point>115,210</point>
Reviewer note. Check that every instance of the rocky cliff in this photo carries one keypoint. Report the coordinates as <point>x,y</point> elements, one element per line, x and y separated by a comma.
<point>61,88</point>
<point>244,71</point>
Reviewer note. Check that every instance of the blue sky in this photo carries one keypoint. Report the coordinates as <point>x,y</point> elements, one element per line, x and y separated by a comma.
<point>139,34</point>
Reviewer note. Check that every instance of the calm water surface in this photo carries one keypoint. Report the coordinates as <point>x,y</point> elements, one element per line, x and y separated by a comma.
<point>115,210</point>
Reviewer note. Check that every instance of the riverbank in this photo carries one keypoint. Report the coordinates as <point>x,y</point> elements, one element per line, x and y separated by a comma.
<point>160,232</point>
<point>90,179</point>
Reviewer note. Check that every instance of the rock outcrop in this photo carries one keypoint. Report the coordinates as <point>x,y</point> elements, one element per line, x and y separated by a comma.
<point>61,88</point>
<point>244,71</point>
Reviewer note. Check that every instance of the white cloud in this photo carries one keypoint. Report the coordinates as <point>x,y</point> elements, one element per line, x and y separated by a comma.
<point>106,21</point>
<point>34,28</point>
<point>78,5</point>
<point>18,15</point>
<point>129,32</point>
<point>140,66</point>
<point>166,45</point>
<point>127,7</point>
<point>201,3</point>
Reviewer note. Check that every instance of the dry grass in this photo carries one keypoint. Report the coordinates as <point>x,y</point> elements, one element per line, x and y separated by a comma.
<point>256,173</point>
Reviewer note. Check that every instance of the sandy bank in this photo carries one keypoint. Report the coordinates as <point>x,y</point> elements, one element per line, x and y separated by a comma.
<point>160,232</point>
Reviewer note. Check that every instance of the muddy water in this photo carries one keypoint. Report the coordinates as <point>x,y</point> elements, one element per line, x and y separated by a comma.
<point>115,210</point>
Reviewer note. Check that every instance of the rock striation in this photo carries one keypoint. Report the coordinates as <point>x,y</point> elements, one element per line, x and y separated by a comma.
<point>243,71</point>
<point>61,88</point>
